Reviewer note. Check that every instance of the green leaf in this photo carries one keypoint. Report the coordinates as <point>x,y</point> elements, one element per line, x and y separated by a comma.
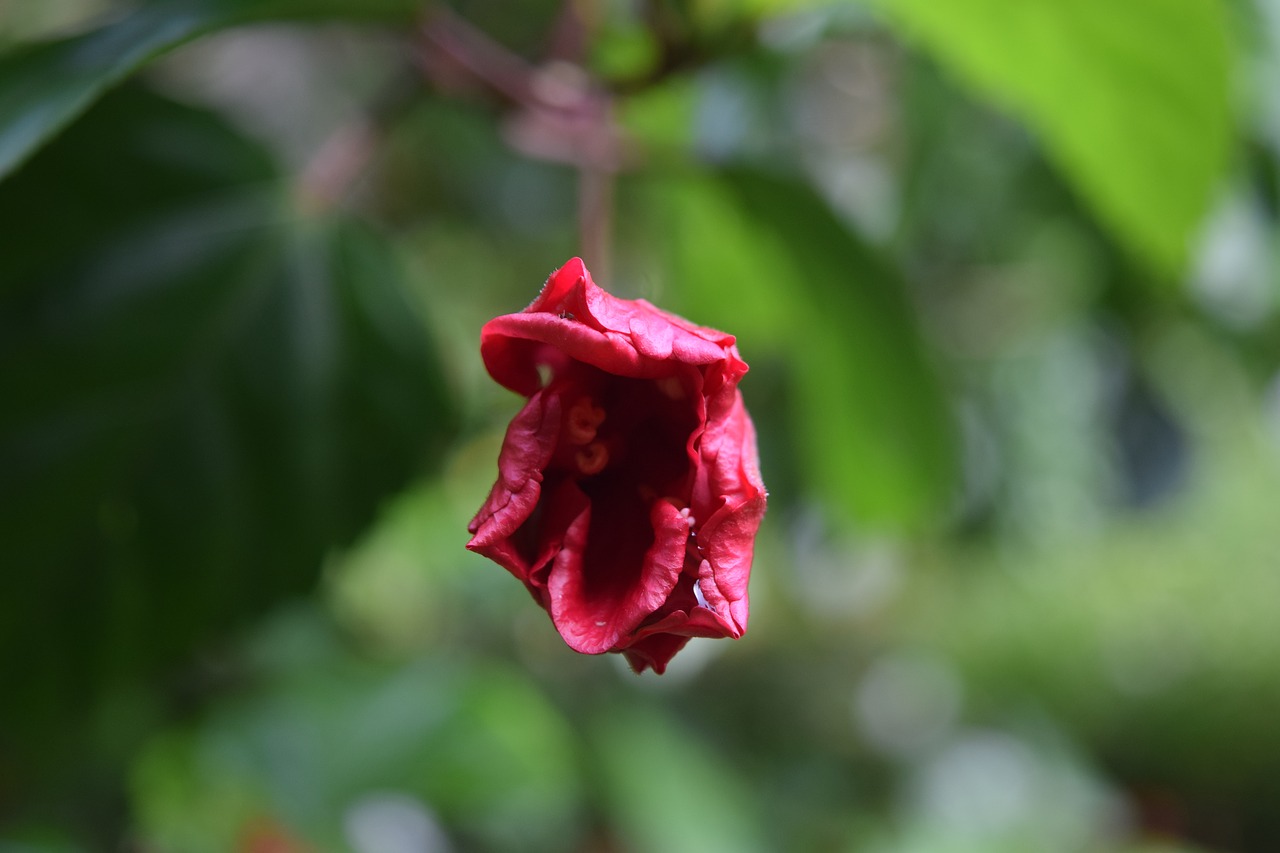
<point>201,397</point>
<point>766,259</point>
<point>44,87</point>
<point>476,746</point>
<point>1130,99</point>
<point>666,791</point>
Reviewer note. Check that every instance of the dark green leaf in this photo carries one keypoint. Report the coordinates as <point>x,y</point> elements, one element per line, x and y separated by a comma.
<point>200,399</point>
<point>43,88</point>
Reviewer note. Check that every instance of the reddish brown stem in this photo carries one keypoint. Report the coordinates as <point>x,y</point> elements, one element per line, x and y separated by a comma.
<point>595,220</point>
<point>561,115</point>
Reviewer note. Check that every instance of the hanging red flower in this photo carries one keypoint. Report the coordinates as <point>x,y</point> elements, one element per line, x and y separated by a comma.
<point>629,491</point>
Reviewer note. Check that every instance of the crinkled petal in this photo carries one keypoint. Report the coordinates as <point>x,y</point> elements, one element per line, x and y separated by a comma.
<point>655,651</point>
<point>515,345</point>
<point>727,537</point>
<point>594,615</point>
<point>560,286</point>
<point>527,448</point>
<point>574,318</point>
<point>696,621</point>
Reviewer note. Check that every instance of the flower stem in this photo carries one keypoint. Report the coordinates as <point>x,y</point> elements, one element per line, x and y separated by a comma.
<point>560,113</point>
<point>595,219</point>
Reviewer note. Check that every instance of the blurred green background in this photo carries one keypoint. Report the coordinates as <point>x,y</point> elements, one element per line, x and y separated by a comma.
<point>1006,275</point>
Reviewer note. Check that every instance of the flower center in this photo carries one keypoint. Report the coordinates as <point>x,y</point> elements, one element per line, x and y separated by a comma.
<point>671,388</point>
<point>584,419</point>
<point>592,458</point>
<point>619,434</point>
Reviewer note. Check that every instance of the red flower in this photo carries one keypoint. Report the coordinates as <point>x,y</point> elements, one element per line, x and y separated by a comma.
<point>629,490</point>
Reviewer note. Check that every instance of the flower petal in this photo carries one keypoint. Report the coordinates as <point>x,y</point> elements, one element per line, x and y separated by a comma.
<point>572,318</point>
<point>655,651</point>
<point>727,537</point>
<point>527,448</point>
<point>596,599</point>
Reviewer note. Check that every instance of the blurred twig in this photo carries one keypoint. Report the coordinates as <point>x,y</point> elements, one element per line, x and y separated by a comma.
<point>337,164</point>
<point>560,114</point>
<point>342,159</point>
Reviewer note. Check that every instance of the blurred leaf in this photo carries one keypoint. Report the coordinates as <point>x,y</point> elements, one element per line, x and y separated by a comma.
<point>1131,99</point>
<point>621,54</point>
<point>200,400</point>
<point>188,796</point>
<point>666,791</point>
<point>1154,642</point>
<point>448,156</point>
<point>477,746</point>
<point>766,259</point>
<point>76,199</point>
<point>504,767</point>
<point>40,839</point>
<point>44,87</point>
<point>662,117</point>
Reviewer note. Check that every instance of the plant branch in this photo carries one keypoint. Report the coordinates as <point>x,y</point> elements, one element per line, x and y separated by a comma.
<point>559,114</point>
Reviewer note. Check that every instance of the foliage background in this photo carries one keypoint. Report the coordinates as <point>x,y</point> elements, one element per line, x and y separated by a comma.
<point>1006,277</point>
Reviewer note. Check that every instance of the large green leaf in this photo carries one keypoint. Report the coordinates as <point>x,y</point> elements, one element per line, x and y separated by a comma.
<point>201,396</point>
<point>1130,99</point>
<point>865,418</point>
<point>44,87</point>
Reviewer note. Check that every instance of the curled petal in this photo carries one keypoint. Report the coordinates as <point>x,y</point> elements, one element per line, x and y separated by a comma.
<point>527,448</point>
<point>654,652</point>
<point>573,318</point>
<point>728,536</point>
<point>593,607</point>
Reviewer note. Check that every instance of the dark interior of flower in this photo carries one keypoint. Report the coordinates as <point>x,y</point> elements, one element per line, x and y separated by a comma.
<point>623,443</point>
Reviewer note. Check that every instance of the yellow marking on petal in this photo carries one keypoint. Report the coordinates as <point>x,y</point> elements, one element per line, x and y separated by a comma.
<point>584,419</point>
<point>592,458</point>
